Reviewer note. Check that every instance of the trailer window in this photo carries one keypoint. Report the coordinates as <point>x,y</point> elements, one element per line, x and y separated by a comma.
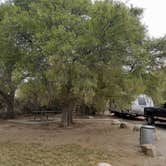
<point>141,101</point>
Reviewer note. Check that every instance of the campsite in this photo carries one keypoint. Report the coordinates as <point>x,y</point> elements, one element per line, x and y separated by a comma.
<point>82,83</point>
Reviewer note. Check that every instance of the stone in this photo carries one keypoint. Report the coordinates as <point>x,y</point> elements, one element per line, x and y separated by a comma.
<point>115,122</point>
<point>90,117</point>
<point>124,125</point>
<point>103,164</point>
<point>107,112</point>
<point>137,127</point>
<point>149,150</point>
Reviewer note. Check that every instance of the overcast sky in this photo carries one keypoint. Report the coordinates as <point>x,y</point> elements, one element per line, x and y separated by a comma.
<point>154,15</point>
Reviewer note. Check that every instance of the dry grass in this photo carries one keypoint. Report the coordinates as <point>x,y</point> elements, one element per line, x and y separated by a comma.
<point>86,144</point>
<point>16,154</point>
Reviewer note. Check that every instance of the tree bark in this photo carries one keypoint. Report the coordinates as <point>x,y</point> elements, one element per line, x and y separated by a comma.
<point>10,111</point>
<point>67,101</point>
<point>9,102</point>
<point>67,118</point>
<point>10,106</point>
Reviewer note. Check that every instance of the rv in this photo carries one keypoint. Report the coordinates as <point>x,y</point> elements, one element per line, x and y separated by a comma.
<point>137,106</point>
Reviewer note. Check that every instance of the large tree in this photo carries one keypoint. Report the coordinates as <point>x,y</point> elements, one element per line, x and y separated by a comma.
<point>10,56</point>
<point>86,47</point>
<point>79,51</point>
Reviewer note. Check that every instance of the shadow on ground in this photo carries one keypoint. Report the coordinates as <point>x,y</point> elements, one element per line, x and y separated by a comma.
<point>163,126</point>
<point>141,118</point>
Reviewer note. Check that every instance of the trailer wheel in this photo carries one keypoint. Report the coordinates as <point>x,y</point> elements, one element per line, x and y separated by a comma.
<point>150,120</point>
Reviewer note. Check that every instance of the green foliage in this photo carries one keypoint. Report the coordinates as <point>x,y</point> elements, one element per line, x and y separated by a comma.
<point>77,51</point>
<point>154,78</point>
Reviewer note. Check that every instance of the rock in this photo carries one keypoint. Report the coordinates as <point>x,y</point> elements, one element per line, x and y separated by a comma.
<point>115,122</point>
<point>107,112</point>
<point>103,164</point>
<point>149,150</point>
<point>90,117</point>
<point>124,125</point>
<point>137,127</point>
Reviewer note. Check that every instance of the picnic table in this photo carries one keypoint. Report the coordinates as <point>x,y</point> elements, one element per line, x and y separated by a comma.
<point>44,113</point>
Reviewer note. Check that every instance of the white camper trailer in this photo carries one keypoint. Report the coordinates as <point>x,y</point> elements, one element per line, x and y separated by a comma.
<point>137,106</point>
<point>140,103</point>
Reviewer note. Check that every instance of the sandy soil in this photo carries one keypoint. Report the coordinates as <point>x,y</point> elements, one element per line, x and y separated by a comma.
<point>122,144</point>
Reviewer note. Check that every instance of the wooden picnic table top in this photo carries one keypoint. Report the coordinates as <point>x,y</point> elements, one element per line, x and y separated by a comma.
<point>44,111</point>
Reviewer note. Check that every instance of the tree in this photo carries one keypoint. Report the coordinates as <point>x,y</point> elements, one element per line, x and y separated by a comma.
<point>84,48</point>
<point>115,52</point>
<point>14,40</point>
<point>75,50</point>
<point>9,57</point>
<point>154,77</point>
<point>58,26</point>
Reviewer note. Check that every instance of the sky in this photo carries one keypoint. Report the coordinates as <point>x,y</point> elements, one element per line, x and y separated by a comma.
<point>154,15</point>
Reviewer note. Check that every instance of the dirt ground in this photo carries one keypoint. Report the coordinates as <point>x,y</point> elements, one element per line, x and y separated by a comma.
<point>121,144</point>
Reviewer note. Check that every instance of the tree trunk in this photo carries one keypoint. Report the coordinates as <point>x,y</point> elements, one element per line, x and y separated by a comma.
<point>67,118</point>
<point>10,105</point>
<point>10,111</point>
<point>9,102</point>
